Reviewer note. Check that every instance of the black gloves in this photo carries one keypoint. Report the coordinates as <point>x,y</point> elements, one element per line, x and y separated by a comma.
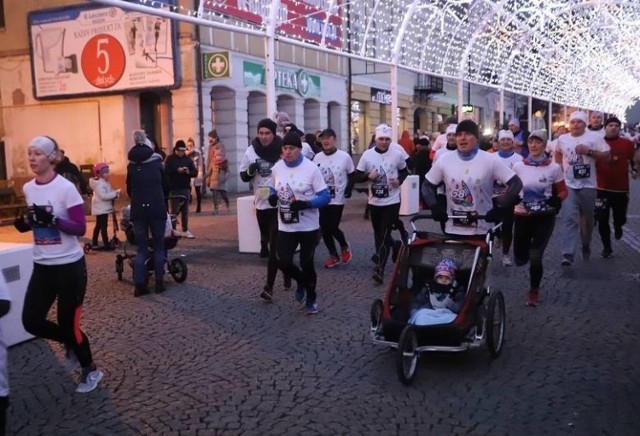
<point>494,215</point>
<point>347,192</point>
<point>21,225</point>
<point>273,200</point>
<point>554,202</point>
<point>439,214</point>
<point>300,205</point>
<point>253,168</point>
<point>42,215</point>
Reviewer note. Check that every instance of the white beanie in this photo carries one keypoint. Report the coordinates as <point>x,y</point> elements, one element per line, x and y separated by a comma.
<point>578,115</point>
<point>451,128</point>
<point>46,145</point>
<point>505,134</point>
<point>383,131</point>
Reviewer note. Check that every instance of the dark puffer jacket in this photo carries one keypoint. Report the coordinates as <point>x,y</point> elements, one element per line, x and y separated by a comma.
<point>146,184</point>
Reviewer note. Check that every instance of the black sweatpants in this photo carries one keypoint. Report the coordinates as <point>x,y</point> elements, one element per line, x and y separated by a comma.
<point>305,275</point>
<point>268,224</point>
<point>68,284</point>
<point>102,223</point>
<point>609,202</point>
<point>530,238</point>
<point>382,220</point>
<point>330,216</point>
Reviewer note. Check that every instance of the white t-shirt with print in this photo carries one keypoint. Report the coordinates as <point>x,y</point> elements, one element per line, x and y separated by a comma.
<point>501,188</point>
<point>388,165</point>
<point>469,185</point>
<point>580,169</point>
<point>440,190</point>
<point>297,183</point>
<point>261,181</point>
<point>50,245</point>
<point>537,184</point>
<point>335,169</point>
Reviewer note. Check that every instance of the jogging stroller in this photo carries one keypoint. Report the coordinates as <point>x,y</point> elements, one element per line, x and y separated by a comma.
<point>176,267</point>
<point>478,320</point>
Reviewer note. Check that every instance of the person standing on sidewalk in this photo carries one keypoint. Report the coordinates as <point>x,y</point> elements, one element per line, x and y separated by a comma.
<point>508,157</point>
<point>256,168</point>
<point>577,152</point>
<point>337,169</point>
<point>56,216</point>
<point>180,169</point>
<point>613,184</point>
<point>298,190</point>
<point>385,168</point>
<point>543,190</point>
<point>217,172</point>
<point>102,204</point>
<point>198,161</point>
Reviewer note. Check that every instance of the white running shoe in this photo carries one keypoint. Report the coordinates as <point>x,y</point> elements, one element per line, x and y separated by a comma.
<point>89,381</point>
<point>506,260</point>
<point>188,235</point>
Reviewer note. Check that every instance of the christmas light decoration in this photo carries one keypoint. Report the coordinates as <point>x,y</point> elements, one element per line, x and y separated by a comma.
<point>574,52</point>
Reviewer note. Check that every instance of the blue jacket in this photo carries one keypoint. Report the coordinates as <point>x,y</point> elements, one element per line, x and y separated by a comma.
<point>146,184</point>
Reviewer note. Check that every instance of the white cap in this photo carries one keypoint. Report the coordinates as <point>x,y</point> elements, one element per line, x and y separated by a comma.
<point>505,134</point>
<point>452,128</point>
<point>578,115</point>
<point>383,131</point>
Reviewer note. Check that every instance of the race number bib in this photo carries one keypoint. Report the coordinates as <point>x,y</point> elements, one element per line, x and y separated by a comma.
<point>264,167</point>
<point>380,190</point>
<point>536,207</point>
<point>332,191</point>
<point>465,220</point>
<point>288,216</point>
<point>581,171</point>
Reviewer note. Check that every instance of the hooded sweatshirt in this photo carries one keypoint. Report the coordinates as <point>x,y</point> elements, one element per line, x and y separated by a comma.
<point>146,184</point>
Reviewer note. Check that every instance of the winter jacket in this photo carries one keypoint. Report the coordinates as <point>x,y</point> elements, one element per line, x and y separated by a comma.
<point>146,184</point>
<point>176,179</point>
<point>217,169</point>
<point>103,196</point>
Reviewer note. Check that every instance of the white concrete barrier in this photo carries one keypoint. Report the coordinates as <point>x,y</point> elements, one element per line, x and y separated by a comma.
<point>16,263</point>
<point>248,230</point>
<point>410,196</point>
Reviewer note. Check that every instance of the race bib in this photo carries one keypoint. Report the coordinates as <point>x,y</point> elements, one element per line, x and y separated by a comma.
<point>380,190</point>
<point>601,204</point>
<point>332,191</point>
<point>288,216</point>
<point>465,219</point>
<point>536,207</point>
<point>264,167</point>
<point>581,171</point>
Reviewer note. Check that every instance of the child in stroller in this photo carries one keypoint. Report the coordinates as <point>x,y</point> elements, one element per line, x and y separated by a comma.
<point>176,267</point>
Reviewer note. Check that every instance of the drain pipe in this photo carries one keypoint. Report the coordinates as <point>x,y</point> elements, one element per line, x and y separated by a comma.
<point>201,134</point>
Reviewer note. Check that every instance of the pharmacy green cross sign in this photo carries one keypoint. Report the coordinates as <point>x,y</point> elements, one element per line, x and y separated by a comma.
<point>216,65</point>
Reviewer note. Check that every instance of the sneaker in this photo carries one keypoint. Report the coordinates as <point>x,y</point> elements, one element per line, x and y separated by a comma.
<point>617,232</point>
<point>532,299</point>
<point>89,381</point>
<point>70,360</point>
<point>345,257</point>
<point>188,235</point>
<point>606,253</point>
<point>311,309</point>
<point>267,293</point>
<point>300,295</point>
<point>506,260</point>
<point>567,260</point>
<point>332,261</point>
<point>586,253</point>
<point>378,275</point>
<point>140,290</point>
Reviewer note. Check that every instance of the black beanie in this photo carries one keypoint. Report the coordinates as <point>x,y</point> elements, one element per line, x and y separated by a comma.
<point>612,120</point>
<point>269,124</point>
<point>292,138</point>
<point>469,127</point>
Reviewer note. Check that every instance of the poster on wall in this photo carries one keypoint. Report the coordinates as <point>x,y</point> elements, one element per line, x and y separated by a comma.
<point>88,50</point>
<point>297,18</point>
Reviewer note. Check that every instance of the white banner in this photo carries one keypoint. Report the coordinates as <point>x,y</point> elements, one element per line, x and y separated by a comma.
<point>95,50</point>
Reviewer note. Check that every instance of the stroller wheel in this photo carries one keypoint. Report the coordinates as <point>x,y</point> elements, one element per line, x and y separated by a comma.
<point>178,270</point>
<point>496,323</point>
<point>119,266</point>
<point>86,248</point>
<point>407,355</point>
<point>376,317</point>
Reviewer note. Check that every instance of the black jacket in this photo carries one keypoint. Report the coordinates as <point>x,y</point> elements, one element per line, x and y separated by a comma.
<point>146,184</point>
<point>176,179</point>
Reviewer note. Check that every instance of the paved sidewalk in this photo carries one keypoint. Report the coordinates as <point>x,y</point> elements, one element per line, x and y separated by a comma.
<point>209,357</point>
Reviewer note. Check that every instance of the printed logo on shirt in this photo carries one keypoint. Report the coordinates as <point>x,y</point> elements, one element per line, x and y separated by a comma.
<point>461,195</point>
<point>285,198</point>
<point>380,186</point>
<point>330,180</point>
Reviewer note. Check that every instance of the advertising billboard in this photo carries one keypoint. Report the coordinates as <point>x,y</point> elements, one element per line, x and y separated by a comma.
<point>88,50</point>
<point>298,18</point>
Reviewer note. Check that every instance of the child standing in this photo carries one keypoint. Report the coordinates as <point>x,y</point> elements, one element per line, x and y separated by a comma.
<point>102,203</point>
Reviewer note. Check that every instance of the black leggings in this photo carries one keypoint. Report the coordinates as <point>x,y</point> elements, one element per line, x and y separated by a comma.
<point>68,284</point>
<point>383,219</point>
<point>102,223</point>
<point>268,222</point>
<point>330,217</point>
<point>306,274</point>
<point>506,230</point>
<point>198,191</point>
<point>616,203</point>
<point>531,235</point>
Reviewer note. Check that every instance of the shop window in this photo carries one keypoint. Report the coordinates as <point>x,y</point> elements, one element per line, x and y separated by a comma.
<point>150,116</point>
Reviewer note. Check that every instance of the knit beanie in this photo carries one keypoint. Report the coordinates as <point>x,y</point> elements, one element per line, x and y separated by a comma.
<point>469,127</point>
<point>613,120</point>
<point>292,138</point>
<point>505,134</point>
<point>446,267</point>
<point>268,123</point>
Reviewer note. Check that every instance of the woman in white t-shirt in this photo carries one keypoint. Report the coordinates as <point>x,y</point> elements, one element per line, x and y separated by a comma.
<point>56,216</point>
<point>542,193</point>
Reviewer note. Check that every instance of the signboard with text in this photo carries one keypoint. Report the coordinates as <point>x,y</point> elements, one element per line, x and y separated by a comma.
<point>298,18</point>
<point>296,81</point>
<point>83,50</point>
<point>380,96</point>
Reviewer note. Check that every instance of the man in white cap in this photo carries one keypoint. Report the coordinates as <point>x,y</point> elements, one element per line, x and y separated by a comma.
<point>520,137</point>
<point>385,168</point>
<point>443,139</point>
<point>595,123</point>
<point>577,152</point>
